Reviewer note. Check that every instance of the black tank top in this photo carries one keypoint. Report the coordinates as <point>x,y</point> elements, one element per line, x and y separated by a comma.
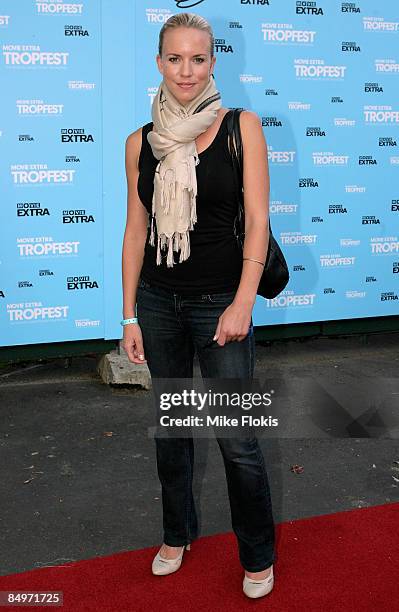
<point>215,261</point>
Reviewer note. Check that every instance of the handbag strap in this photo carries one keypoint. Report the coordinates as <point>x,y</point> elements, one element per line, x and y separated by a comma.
<point>236,151</point>
<point>233,129</point>
<point>235,148</point>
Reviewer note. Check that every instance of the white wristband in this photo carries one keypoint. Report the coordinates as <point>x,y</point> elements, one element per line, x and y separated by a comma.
<point>127,321</point>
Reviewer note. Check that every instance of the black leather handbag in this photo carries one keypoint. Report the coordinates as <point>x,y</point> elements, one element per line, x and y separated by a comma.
<point>275,274</point>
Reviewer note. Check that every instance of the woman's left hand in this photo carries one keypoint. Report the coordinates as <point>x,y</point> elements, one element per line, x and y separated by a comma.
<point>233,324</point>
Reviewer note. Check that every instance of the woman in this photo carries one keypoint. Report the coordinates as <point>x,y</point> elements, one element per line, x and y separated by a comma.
<point>194,289</point>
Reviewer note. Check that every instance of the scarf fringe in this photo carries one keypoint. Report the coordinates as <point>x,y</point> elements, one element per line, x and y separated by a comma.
<point>186,196</point>
<point>179,241</point>
<point>152,235</point>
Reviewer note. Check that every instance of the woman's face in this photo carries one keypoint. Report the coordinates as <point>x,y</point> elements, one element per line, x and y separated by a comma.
<point>185,59</point>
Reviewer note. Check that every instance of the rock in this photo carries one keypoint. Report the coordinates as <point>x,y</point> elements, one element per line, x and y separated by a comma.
<point>116,369</point>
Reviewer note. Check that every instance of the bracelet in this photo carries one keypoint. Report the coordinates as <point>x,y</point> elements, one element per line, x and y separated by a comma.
<point>250,259</point>
<point>127,321</point>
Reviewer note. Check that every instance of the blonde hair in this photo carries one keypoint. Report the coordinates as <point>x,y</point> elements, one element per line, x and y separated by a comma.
<point>186,20</point>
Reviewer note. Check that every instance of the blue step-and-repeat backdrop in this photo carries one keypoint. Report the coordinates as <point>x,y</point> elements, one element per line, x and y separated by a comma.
<point>78,77</point>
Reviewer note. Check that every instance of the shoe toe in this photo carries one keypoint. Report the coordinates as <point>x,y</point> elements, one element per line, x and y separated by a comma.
<point>258,588</point>
<point>161,567</point>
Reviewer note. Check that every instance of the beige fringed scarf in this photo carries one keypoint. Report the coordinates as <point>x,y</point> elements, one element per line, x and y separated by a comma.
<point>175,183</point>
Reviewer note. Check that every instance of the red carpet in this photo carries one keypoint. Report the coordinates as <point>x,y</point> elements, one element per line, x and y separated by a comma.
<point>348,561</point>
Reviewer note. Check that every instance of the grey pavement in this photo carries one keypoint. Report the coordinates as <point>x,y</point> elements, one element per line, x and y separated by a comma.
<point>77,467</point>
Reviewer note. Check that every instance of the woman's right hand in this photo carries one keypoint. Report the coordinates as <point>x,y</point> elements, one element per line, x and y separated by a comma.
<point>133,343</point>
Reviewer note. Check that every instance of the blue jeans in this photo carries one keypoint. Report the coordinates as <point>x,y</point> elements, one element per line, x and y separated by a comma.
<point>174,327</point>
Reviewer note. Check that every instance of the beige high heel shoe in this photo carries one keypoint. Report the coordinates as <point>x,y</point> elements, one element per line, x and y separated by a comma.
<point>258,588</point>
<point>161,566</point>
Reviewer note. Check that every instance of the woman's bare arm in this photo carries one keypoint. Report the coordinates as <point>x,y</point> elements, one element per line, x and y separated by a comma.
<point>256,205</point>
<point>136,227</point>
<point>234,322</point>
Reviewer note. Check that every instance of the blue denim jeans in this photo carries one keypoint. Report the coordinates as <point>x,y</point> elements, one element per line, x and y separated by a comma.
<point>174,327</point>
